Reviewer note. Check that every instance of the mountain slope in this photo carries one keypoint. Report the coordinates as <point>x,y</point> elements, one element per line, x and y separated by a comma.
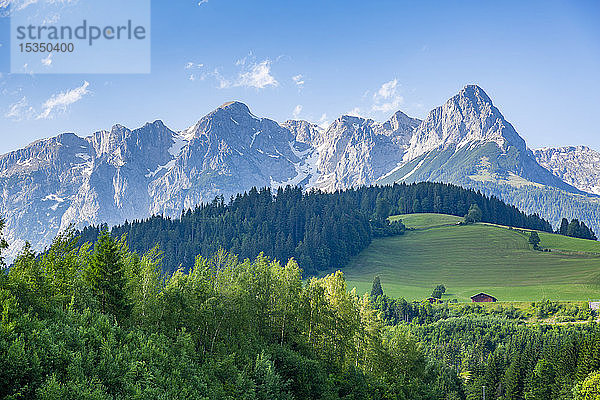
<point>355,151</point>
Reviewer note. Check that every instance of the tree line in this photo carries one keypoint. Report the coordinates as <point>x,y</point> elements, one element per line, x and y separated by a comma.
<point>322,231</point>
<point>575,229</point>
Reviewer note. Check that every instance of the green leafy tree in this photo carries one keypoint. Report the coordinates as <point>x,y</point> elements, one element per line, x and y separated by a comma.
<point>534,239</point>
<point>438,291</point>
<point>590,388</point>
<point>473,215</point>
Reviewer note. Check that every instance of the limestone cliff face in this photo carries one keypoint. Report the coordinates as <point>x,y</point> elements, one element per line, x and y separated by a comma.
<point>578,166</point>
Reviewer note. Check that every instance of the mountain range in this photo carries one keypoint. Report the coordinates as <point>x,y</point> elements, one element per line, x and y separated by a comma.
<point>129,174</point>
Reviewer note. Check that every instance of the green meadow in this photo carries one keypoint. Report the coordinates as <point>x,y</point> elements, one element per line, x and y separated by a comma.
<point>469,259</point>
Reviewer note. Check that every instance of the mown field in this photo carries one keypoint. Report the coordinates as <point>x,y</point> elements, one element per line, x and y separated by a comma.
<point>469,259</point>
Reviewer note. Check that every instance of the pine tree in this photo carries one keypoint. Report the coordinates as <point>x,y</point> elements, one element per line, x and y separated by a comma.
<point>376,289</point>
<point>564,224</point>
<point>3,242</point>
<point>574,230</point>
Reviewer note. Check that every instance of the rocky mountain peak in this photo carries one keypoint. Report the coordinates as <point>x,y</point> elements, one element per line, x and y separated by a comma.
<point>475,93</point>
<point>234,107</point>
<point>467,117</point>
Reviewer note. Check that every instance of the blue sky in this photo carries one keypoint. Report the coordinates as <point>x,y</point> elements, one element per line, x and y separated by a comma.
<point>315,60</point>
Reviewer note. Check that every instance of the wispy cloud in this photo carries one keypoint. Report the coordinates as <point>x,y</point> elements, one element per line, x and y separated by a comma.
<point>191,65</point>
<point>10,6</point>
<point>194,66</point>
<point>63,100</point>
<point>257,76</point>
<point>20,110</point>
<point>250,74</point>
<point>298,80</point>
<point>297,111</point>
<point>202,2</point>
<point>387,99</point>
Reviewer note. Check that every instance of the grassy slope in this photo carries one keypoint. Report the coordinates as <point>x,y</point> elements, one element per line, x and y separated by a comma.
<point>474,258</point>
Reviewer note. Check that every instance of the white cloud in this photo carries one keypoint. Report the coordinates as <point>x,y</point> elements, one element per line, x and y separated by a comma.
<point>387,90</point>
<point>202,2</point>
<point>323,122</point>
<point>62,100</point>
<point>257,76</point>
<point>20,110</point>
<point>191,65</point>
<point>355,112</point>
<point>18,5</point>
<point>251,74</point>
<point>47,61</point>
<point>387,99</point>
<point>223,82</point>
<point>298,79</point>
<point>297,111</point>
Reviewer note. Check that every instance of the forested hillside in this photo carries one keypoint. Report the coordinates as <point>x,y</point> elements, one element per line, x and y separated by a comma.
<point>105,323</point>
<point>552,204</point>
<point>320,230</point>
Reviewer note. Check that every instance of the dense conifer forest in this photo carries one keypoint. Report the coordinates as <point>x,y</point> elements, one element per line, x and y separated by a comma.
<point>320,230</point>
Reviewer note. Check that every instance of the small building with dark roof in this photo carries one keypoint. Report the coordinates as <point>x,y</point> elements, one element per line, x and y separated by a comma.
<point>483,298</point>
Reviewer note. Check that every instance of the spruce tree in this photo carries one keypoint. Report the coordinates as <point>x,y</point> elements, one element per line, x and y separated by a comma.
<point>376,289</point>
<point>564,224</point>
<point>3,243</point>
<point>106,277</point>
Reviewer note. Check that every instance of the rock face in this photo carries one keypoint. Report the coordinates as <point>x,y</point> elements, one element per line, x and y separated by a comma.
<point>355,151</point>
<point>578,166</point>
<point>123,174</point>
<point>66,180</point>
<point>465,119</point>
<point>468,140</point>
